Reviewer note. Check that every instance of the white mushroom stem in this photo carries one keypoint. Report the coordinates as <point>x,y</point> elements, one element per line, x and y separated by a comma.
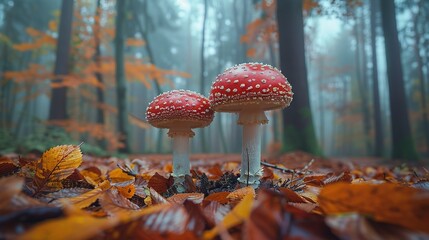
<point>181,164</point>
<point>251,169</point>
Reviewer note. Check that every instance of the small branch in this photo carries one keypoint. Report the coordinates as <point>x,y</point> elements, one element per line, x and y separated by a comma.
<point>284,170</point>
<point>304,170</point>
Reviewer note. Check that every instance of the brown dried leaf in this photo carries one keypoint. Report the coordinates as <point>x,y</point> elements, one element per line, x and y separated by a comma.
<point>180,198</point>
<point>387,202</point>
<point>355,226</point>
<point>273,218</point>
<point>215,212</point>
<point>7,167</point>
<point>87,198</point>
<point>156,197</point>
<point>114,203</point>
<point>159,183</point>
<point>292,196</point>
<point>343,177</point>
<point>236,216</point>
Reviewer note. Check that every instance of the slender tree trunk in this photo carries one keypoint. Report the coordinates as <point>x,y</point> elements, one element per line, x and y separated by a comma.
<point>58,108</point>
<point>360,60</point>
<point>121,84</point>
<point>378,138</point>
<point>422,88</point>
<point>202,74</point>
<point>221,128</point>
<point>144,33</point>
<point>98,75</point>
<point>297,119</point>
<point>403,143</point>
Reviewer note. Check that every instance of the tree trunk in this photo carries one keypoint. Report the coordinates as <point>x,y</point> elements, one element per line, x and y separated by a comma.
<point>378,138</point>
<point>121,84</point>
<point>98,75</point>
<point>202,75</point>
<point>58,108</point>
<point>144,33</point>
<point>403,143</point>
<point>360,60</point>
<point>297,119</point>
<point>422,88</point>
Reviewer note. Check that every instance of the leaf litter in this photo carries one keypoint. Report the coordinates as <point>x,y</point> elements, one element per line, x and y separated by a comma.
<point>299,198</point>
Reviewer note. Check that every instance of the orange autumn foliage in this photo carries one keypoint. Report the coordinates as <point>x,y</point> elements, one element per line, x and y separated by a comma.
<point>95,130</point>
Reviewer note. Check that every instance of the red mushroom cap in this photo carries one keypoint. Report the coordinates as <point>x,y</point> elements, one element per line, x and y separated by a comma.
<point>250,85</point>
<point>179,109</point>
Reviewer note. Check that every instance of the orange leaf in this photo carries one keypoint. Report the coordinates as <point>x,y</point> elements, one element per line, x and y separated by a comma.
<point>239,194</point>
<point>127,191</point>
<point>391,203</point>
<point>219,197</point>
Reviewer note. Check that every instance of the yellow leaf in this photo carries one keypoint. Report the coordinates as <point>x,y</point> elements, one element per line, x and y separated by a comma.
<point>391,203</point>
<point>237,215</point>
<point>75,227</point>
<point>55,165</point>
<point>118,176</point>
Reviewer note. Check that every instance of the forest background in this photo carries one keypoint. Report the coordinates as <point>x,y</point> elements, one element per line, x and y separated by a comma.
<point>85,71</point>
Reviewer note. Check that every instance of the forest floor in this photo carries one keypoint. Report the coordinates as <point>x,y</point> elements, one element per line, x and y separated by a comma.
<point>300,197</point>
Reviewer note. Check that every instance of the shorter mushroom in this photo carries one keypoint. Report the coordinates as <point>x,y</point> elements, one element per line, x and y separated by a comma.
<point>180,111</point>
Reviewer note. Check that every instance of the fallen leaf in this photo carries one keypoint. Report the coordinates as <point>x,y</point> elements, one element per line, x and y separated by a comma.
<point>273,218</point>
<point>239,194</point>
<point>87,198</point>
<point>74,227</point>
<point>7,167</point>
<point>356,227</point>
<point>387,202</point>
<point>159,183</point>
<point>55,165</point>
<point>220,197</point>
<point>292,196</point>
<point>236,216</point>
<point>156,197</point>
<point>180,198</point>
<point>114,203</point>
<point>215,212</point>
<point>119,178</point>
<point>127,191</point>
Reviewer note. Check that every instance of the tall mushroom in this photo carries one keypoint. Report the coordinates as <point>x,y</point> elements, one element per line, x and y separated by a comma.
<point>180,111</point>
<point>250,89</point>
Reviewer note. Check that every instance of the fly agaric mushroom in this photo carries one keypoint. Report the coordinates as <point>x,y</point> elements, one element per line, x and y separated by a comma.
<point>250,89</point>
<point>180,111</point>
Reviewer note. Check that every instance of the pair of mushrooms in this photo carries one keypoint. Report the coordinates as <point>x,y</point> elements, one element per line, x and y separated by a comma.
<point>248,89</point>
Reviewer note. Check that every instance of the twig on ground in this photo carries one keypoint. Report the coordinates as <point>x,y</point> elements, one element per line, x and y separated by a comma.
<point>304,170</point>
